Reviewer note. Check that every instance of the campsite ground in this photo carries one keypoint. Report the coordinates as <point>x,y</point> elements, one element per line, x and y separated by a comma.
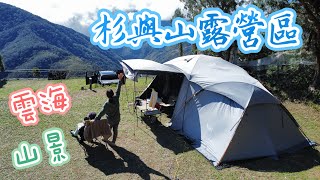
<point>147,151</point>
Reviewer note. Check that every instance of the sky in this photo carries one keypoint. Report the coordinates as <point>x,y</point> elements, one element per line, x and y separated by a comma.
<point>79,14</point>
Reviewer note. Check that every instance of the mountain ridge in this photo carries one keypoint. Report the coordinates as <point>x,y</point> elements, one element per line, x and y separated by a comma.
<point>28,41</point>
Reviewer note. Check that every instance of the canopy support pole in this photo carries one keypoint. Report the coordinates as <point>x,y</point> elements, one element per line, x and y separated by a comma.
<point>134,102</point>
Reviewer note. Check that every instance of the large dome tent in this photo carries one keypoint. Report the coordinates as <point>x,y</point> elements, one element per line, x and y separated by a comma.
<point>226,113</point>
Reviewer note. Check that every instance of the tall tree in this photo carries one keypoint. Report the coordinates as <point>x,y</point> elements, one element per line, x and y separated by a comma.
<point>312,9</point>
<point>194,7</point>
<point>1,64</point>
<point>308,17</point>
<point>178,13</point>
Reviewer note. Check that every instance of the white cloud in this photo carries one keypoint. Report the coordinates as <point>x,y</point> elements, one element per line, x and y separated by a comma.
<point>60,11</point>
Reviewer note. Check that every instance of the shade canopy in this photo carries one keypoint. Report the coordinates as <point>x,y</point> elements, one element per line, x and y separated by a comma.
<point>133,67</point>
<point>210,73</point>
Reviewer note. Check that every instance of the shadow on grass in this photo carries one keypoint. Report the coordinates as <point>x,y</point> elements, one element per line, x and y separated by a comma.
<point>300,161</point>
<point>105,160</point>
<point>3,82</point>
<point>167,138</point>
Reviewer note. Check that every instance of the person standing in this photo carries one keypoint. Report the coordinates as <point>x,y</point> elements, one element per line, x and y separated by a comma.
<point>111,109</point>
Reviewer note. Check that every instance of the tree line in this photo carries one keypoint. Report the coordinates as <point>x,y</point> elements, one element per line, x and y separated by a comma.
<point>308,17</point>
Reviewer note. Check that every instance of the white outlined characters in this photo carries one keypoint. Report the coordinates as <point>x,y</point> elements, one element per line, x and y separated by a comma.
<point>283,33</point>
<point>119,30</point>
<point>55,146</point>
<point>54,99</point>
<point>246,27</point>
<point>181,31</point>
<point>100,30</point>
<point>26,155</point>
<point>213,28</point>
<point>146,26</point>
<point>109,31</point>
<point>23,104</point>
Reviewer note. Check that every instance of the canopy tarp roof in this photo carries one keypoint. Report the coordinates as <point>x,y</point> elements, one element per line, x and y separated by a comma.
<point>145,66</point>
<point>211,73</point>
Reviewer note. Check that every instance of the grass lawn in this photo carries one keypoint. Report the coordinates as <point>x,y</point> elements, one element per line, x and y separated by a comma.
<point>145,152</point>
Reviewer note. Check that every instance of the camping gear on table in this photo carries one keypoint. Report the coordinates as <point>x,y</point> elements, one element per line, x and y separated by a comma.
<point>226,113</point>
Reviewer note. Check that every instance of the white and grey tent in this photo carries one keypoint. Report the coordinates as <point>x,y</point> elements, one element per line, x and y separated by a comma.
<point>226,113</point>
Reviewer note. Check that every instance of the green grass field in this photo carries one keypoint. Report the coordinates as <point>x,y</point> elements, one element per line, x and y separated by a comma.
<point>143,152</point>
